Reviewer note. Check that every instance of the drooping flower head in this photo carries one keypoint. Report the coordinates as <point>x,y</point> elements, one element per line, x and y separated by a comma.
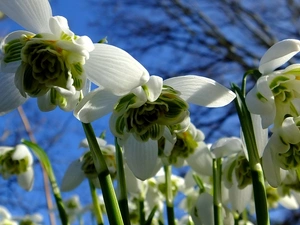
<point>51,63</point>
<point>84,167</point>
<point>277,92</point>
<point>17,161</point>
<point>147,113</point>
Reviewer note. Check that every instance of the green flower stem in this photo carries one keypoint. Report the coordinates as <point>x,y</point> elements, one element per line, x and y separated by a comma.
<point>142,211</point>
<point>169,195</point>
<point>109,195</point>
<point>96,204</point>
<point>258,181</point>
<point>217,177</point>
<point>122,190</point>
<point>42,156</point>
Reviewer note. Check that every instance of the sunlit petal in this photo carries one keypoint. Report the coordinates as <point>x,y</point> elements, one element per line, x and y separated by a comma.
<point>227,146</point>
<point>201,90</point>
<point>33,15</point>
<point>115,69</point>
<point>153,88</point>
<point>95,105</point>
<point>141,157</point>
<point>278,54</point>
<point>25,180</point>
<point>201,160</point>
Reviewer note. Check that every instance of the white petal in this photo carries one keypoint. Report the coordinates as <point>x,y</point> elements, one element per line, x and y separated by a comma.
<point>141,157</point>
<point>289,202</point>
<point>134,185</point>
<point>4,149</point>
<point>278,54</point>
<point>25,180</point>
<point>21,152</point>
<point>33,15</point>
<point>261,135</point>
<point>266,109</point>
<point>44,103</point>
<point>271,168</point>
<point>73,176</point>
<point>10,97</point>
<point>239,198</point>
<point>289,131</point>
<point>201,160</point>
<point>204,211</point>
<point>201,90</point>
<point>59,24</point>
<point>227,146</point>
<point>95,105</point>
<point>115,69</point>
<point>154,87</point>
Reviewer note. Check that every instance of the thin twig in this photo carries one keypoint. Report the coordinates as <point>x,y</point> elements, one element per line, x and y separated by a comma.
<point>45,176</point>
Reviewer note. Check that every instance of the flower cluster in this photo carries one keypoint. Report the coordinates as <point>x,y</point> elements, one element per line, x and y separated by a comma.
<point>276,99</point>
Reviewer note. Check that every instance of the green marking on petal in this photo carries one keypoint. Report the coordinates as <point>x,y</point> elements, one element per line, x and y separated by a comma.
<point>243,172</point>
<point>9,166</point>
<point>147,121</point>
<point>12,51</point>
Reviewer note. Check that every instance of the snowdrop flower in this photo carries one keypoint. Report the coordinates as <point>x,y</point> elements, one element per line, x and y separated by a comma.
<point>147,113</point>
<point>35,219</point>
<point>84,167</point>
<point>17,161</point>
<point>185,145</point>
<point>282,151</point>
<point>51,63</point>
<point>236,171</point>
<point>5,217</point>
<point>203,212</point>
<point>277,92</point>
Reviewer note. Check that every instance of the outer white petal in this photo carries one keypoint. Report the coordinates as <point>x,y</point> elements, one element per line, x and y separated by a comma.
<point>271,168</point>
<point>239,198</point>
<point>115,69</point>
<point>201,160</point>
<point>278,54</point>
<point>266,109</point>
<point>95,105</point>
<point>141,157</point>
<point>201,90</point>
<point>261,135</point>
<point>289,202</point>
<point>33,15</point>
<point>10,97</point>
<point>204,211</point>
<point>25,180</point>
<point>134,185</point>
<point>73,176</point>
<point>227,146</point>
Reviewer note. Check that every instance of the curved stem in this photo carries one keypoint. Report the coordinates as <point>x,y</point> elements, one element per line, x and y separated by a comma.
<point>45,176</point>
<point>260,199</point>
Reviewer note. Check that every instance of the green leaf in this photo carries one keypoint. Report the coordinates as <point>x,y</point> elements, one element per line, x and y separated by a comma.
<point>44,160</point>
